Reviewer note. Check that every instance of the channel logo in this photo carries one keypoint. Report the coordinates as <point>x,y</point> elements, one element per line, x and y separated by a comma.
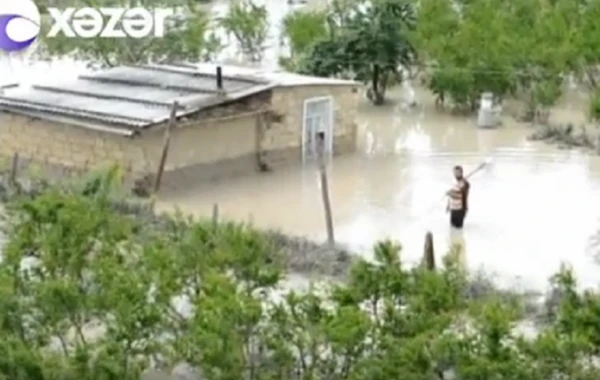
<point>19,25</point>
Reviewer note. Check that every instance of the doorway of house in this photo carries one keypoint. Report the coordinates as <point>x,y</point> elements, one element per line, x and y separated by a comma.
<point>318,119</point>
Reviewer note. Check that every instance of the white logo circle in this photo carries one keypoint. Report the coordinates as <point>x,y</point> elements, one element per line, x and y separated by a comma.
<point>20,23</point>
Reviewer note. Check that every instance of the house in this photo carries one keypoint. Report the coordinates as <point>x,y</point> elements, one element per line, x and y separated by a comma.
<point>228,120</point>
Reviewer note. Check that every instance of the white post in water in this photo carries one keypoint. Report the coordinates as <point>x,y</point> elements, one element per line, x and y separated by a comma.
<point>487,117</point>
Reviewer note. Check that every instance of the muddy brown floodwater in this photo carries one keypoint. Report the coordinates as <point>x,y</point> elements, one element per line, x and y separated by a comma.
<point>531,209</point>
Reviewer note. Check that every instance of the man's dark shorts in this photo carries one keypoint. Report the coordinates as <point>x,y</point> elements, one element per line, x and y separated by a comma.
<point>457,218</point>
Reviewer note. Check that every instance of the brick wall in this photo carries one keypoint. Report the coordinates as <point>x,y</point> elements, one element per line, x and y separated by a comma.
<point>282,141</point>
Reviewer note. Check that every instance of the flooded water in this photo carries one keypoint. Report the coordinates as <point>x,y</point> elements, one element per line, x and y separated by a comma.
<point>532,208</point>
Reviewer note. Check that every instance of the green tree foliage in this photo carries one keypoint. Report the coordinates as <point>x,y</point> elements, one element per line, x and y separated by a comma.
<point>371,45</point>
<point>522,48</point>
<point>301,30</point>
<point>188,36</point>
<point>585,35</point>
<point>74,260</point>
<point>248,23</point>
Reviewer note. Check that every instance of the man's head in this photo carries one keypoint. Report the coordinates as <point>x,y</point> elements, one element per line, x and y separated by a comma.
<point>458,172</point>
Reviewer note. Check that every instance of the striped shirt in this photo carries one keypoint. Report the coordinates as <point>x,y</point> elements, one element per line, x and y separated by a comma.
<point>459,201</point>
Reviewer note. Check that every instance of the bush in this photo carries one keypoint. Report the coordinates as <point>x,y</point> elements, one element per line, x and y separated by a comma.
<point>89,292</point>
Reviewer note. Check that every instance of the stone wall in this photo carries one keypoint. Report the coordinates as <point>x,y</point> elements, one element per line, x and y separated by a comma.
<point>60,145</point>
<point>211,144</point>
<point>202,150</point>
<point>281,141</point>
<point>69,148</point>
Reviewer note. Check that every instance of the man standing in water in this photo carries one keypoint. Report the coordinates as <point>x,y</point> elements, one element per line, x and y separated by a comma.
<point>458,202</point>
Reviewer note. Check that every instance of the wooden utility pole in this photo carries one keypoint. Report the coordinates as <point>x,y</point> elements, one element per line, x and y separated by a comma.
<point>165,150</point>
<point>325,188</point>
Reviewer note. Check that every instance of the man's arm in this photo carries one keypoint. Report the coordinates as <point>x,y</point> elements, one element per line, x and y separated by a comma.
<point>454,194</point>
<point>457,194</point>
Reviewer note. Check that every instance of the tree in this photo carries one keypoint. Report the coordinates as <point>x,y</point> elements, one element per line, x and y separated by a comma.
<point>519,48</point>
<point>63,270</point>
<point>371,47</point>
<point>188,36</point>
<point>463,50</point>
<point>301,30</point>
<point>584,38</point>
<point>249,25</point>
<point>550,52</point>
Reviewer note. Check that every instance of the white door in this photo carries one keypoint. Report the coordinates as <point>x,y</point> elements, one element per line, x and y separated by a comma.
<point>318,118</point>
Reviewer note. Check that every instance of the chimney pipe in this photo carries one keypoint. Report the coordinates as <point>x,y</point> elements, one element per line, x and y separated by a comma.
<point>219,78</point>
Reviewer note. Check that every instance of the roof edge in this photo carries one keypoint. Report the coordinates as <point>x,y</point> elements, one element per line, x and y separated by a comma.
<point>335,84</point>
<point>196,73</point>
<point>197,106</point>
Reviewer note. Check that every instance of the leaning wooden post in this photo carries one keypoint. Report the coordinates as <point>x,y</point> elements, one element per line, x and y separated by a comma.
<point>165,150</point>
<point>325,188</point>
<point>14,169</point>
<point>428,253</point>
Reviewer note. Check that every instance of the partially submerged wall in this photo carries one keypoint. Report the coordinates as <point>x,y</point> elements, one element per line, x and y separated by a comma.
<point>281,141</point>
<point>202,150</point>
<point>217,141</point>
<point>60,146</point>
<point>260,132</point>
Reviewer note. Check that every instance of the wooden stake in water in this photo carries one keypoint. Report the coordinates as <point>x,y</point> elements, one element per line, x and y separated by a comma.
<point>325,187</point>
<point>428,252</point>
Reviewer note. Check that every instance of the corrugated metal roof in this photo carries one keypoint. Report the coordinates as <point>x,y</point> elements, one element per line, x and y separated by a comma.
<point>125,110</point>
<point>174,77</point>
<point>115,90</point>
<point>135,97</point>
<point>131,98</point>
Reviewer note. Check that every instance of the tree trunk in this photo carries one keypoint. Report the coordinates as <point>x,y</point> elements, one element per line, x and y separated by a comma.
<point>378,92</point>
